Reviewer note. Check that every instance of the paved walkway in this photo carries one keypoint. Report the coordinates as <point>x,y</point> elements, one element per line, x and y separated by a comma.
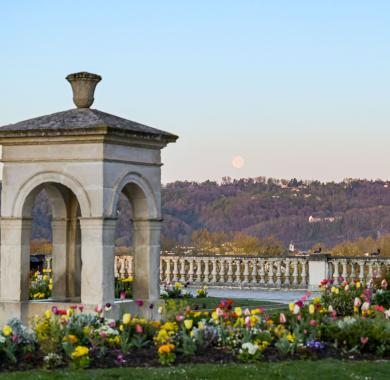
<point>282,296</point>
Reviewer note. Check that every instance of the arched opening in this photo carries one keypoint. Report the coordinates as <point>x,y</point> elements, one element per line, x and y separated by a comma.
<point>41,248</point>
<point>50,217</point>
<point>124,253</point>
<point>135,208</point>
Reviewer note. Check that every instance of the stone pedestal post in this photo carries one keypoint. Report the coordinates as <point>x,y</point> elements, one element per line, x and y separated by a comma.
<point>59,263</point>
<point>97,256</point>
<point>318,269</point>
<point>15,259</point>
<point>147,259</point>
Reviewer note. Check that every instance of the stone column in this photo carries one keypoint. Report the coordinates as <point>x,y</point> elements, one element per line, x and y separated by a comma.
<point>147,259</point>
<point>15,259</point>
<point>97,256</point>
<point>318,269</point>
<point>73,254</point>
<point>59,263</point>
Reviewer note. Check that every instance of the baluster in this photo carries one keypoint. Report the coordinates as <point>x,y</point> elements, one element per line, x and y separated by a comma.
<point>206,271</point>
<point>270,273</point>
<point>130,266</point>
<point>278,274</point>
<point>191,270</point>
<point>237,275</point>
<point>230,271</point>
<point>122,268</point>
<point>261,272</point>
<point>168,270</point>
<point>353,273</point>
<point>303,273</point>
<point>295,273</point>
<point>344,273</point>
<point>254,271</point>
<point>183,270</point>
<point>287,273</point>
<point>336,272</point>
<point>161,269</point>
<point>361,271</point>
<point>369,275</point>
<point>376,272</point>
<point>214,271</point>
<point>175,269</point>
<point>198,270</point>
<point>246,271</point>
<point>222,270</point>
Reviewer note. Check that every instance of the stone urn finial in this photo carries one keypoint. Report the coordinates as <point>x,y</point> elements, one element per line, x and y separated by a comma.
<point>83,86</point>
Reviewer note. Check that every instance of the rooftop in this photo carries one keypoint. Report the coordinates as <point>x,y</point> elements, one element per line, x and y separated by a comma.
<point>84,118</point>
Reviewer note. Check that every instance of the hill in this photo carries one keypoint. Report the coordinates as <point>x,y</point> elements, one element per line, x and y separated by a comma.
<point>305,212</point>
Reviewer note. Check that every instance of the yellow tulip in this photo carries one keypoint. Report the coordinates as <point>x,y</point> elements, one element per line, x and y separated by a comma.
<point>48,314</point>
<point>291,307</point>
<point>238,311</point>
<point>7,330</point>
<point>126,318</point>
<point>188,323</point>
<point>311,309</point>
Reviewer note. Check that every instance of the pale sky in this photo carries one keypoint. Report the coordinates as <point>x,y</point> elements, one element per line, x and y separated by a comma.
<point>296,88</point>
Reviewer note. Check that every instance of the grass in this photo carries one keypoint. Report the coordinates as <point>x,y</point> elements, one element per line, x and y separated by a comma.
<point>322,370</point>
<point>210,303</point>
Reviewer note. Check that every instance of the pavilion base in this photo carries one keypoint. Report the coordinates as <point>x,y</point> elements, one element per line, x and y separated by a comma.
<point>26,311</point>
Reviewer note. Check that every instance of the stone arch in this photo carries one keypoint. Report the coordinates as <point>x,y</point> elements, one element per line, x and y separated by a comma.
<point>140,194</point>
<point>36,182</point>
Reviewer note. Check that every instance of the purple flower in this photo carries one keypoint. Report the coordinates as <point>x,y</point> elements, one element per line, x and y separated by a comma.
<point>151,306</point>
<point>315,344</point>
<point>54,309</point>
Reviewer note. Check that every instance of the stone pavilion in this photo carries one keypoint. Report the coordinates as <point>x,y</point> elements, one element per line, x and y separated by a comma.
<point>84,159</point>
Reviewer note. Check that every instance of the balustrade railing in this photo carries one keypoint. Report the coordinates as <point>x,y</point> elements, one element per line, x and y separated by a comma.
<point>259,272</point>
<point>356,268</point>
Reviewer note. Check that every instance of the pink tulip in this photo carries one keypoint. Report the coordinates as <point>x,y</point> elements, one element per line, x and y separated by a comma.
<point>138,329</point>
<point>98,309</point>
<point>313,323</point>
<point>282,318</point>
<point>363,340</point>
<point>357,302</point>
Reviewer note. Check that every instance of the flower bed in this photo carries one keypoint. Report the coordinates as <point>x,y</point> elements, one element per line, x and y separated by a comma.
<point>348,320</point>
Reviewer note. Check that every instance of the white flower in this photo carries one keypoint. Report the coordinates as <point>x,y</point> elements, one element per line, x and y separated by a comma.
<point>252,348</point>
<point>387,314</point>
<point>296,309</point>
<point>365,306</point>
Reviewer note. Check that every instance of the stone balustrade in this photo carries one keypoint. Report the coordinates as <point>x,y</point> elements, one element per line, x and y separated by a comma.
<point>260,272</point>
<point>356,268</point>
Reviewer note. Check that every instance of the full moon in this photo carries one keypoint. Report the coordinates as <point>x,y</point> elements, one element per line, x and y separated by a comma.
<point>238,162</point>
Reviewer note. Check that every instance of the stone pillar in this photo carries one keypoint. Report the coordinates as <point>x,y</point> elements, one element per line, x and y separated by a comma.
<point>73,254</point>
<point>97,257</point>
<point>318,269</point>
<point>15,259</point>
<point>147,259</point>
<point>59,263</point>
